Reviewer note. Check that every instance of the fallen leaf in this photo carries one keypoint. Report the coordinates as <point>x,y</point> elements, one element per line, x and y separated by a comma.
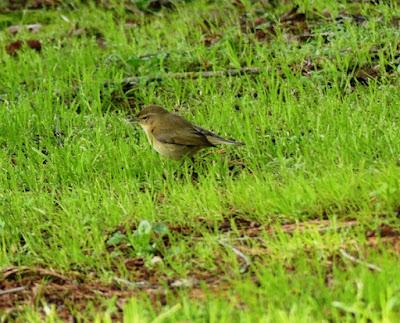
<point>156,5</point>
<point>357,18</point>
<point>259,26</point>
<point>395,21</point>
<point>293,16</point>
<point>89,32</point>
<point>295,24</point>
<point>34,44</point>
<point>184,283</point>
<point>306,67</point>
<point>265,33</point>
<point>39,4</point>
<point>365,73</point>
<point>33,28</point>
<point>211,39</point>
<point>100,40</point>
<point>13,47</point>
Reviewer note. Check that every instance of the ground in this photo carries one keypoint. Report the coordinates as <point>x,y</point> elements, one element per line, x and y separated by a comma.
<point>301,223</point>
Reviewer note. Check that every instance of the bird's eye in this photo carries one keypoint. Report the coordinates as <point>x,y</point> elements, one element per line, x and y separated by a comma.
<point>145,117</point>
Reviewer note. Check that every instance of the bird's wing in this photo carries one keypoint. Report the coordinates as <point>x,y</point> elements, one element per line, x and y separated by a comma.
<point>182,137</point>
<point>181,133</point>
<point>215,139</point>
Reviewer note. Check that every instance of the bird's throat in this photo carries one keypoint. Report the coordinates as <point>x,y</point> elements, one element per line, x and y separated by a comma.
<point>148,130</point>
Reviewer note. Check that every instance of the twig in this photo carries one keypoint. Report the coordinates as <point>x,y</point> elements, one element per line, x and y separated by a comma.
<point>240,254</point>
<point>24,270</point>
<point>318,226</point>
<point>134,80</point>
<point>150,55</point>
<point>184,282</point>
<point>139,285</point>
<point>12,290</point>
<point>358,261</point>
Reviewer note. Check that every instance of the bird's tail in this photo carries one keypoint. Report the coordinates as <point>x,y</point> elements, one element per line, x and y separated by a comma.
<point>217,140</point>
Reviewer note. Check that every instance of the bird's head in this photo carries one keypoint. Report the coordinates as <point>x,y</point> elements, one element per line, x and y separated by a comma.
<point>150,114</point>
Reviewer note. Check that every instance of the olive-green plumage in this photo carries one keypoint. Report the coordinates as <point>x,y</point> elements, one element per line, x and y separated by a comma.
<point>173,136</point>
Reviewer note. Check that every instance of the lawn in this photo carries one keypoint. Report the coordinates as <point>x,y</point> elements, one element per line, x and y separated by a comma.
<point>300,224</point>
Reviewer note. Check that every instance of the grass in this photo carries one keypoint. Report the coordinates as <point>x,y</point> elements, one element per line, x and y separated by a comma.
<point>82,192</point>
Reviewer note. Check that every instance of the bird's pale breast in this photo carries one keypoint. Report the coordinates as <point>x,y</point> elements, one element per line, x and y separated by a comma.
<point>172,151</point>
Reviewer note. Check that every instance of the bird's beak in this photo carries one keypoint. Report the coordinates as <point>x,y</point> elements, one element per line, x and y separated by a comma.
<point>133,119</point>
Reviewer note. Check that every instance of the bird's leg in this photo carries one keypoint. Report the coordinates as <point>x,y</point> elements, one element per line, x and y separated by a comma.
<point>192,170</point>
<point>179,172</point>
<point>187,169</point>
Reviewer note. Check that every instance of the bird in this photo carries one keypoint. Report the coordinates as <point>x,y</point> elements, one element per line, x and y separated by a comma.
<point>173,136</point>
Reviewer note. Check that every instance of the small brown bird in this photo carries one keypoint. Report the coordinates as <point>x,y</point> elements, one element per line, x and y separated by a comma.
<point>174,137</point>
